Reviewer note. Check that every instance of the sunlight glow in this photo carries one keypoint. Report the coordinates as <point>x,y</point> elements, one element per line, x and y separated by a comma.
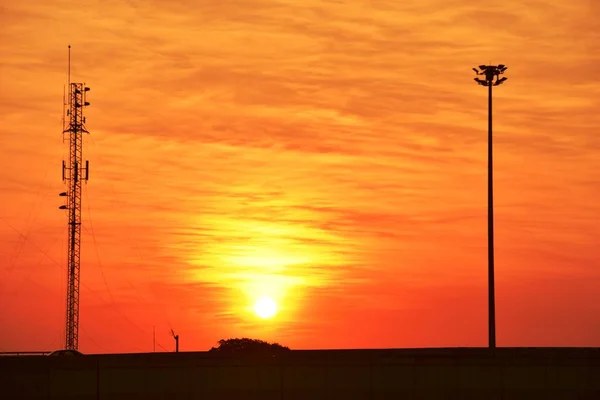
<point>265,307</point>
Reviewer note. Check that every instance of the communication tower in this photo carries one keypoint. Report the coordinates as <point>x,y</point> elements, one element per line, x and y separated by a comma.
<point>73,173</point>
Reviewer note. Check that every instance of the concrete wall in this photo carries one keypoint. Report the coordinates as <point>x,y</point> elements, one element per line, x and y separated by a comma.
<point>345,374</point>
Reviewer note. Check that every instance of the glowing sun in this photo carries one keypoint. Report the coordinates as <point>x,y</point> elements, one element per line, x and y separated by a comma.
<point>265,307</point>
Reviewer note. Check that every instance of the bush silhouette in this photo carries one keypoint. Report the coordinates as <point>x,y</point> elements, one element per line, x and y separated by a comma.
<point>246,346</point>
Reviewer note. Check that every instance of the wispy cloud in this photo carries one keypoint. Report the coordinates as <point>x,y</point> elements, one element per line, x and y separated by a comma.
<point>330,154</point>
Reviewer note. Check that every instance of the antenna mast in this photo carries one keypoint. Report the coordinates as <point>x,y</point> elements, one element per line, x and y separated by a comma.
<point>72,174</point>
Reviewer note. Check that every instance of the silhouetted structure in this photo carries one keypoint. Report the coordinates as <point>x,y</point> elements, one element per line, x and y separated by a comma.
<point>176,337</point>
<point>492,78</point>
<point>476,373</point>
<point>245,346</point>
<point>74,173</point>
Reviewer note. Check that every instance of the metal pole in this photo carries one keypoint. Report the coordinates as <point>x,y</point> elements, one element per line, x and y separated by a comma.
<point>491,294</point>
<point>491,73</point>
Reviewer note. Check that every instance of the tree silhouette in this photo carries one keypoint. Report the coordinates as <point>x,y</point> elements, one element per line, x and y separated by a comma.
<point>246,346</point>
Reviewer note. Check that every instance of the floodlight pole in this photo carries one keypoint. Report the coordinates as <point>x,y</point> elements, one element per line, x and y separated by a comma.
<point>491,273</point>
<point>490,72</point>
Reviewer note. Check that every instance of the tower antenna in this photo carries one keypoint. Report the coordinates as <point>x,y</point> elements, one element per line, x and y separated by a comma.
<point>69,68</point>
<point>72,174</point>
<point>64,99</point>
<point>63,112</point>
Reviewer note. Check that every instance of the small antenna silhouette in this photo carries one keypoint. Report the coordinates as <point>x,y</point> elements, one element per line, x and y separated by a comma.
<point>63,113</point>
<point>176,337</point>
<point>69,68</point>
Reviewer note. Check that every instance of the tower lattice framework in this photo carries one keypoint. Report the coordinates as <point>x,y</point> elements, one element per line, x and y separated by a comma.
<point>73,174</point>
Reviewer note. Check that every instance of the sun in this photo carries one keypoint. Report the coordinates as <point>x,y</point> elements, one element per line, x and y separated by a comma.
<point>265,307</point>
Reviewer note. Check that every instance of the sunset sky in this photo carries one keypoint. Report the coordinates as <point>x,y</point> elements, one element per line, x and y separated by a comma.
<point>330,155</point>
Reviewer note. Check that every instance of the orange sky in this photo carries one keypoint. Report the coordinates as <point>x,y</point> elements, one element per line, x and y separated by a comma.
<point>331,155</point>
